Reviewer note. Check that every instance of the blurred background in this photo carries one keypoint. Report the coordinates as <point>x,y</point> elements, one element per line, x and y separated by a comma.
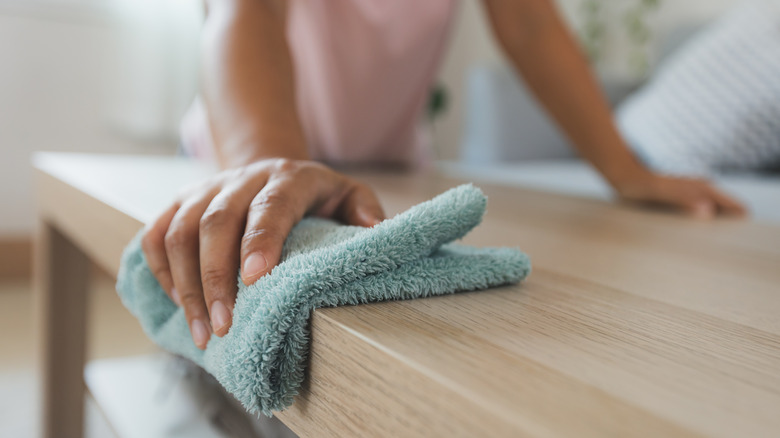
<point>116,76</point>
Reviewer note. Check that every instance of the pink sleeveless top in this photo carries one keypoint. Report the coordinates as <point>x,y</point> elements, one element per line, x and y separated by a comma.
<point>364,70</point>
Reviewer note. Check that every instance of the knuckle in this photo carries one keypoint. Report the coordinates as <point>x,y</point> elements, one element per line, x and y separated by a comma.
<point>238,172</point>
<point>152,239</point>
<point>291,171</point>
<point>279,202</point>
<point>192,303</point>
<point>215,279</point>
<point>261,166</point>
<point>214,218</point>
<point>159,271</point>
<point>286,165</point>
<point>252,237</point>
<point>178,237</point>
<point>311,167</point>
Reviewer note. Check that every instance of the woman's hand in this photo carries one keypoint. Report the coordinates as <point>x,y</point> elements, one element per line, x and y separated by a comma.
<point>241,217</point>
<point>695,197</point>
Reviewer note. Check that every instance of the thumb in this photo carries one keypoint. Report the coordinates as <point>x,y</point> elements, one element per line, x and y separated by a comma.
<point>361,207</point>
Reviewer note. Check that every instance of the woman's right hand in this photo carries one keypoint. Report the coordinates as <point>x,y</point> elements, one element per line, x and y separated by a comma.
<point>241,217</point>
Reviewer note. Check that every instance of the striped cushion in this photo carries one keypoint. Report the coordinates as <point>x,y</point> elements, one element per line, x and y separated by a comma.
<point>715,104</point>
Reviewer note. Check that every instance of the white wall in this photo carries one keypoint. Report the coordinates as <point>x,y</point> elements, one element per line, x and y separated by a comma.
<point>61,78</point>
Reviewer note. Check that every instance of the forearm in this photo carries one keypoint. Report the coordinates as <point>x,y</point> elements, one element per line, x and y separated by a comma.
<point>248,83</point>
<point>539,45</point>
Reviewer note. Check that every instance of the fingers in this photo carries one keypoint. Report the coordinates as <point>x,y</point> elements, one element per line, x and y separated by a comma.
<point>153,244</point>
<point>697,198</point>
<point>182,247</point>
<point>361,207</point>
<point>242,218</point>
<point>704,201</point>
<point>272,214</point>
<point>699,207</point>
<point>694,199</point>
<point>221,228</point>
<point>726,204</point>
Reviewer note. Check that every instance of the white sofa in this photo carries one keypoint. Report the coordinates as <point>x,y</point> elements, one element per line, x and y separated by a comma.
<point>509,140</point>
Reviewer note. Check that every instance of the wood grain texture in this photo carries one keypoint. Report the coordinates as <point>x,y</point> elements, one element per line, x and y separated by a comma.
<point>633,322</point>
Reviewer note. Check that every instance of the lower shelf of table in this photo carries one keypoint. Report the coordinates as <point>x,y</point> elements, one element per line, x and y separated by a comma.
<point>148,397</point>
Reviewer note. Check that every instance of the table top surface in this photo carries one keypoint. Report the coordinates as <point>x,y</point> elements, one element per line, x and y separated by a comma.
<point>633,323</point>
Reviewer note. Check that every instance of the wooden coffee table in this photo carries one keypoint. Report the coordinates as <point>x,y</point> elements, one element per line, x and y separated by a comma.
<point>633,323</point>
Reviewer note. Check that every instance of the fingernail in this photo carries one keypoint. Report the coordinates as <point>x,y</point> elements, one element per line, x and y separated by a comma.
<point>220,315</point>
<point>200,333</point>
<point>367,217</point>
<point>254,265</point>
<point>175,296</point>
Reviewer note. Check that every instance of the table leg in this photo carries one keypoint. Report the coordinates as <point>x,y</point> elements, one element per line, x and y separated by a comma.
<point>61,281</point>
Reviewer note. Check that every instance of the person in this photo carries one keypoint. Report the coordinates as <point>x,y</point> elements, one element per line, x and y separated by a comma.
<point>290,86</point>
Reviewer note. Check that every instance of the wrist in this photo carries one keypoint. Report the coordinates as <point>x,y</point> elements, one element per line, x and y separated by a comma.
<point>623,176</point>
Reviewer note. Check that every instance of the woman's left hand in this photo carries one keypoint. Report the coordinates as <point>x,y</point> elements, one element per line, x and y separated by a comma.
<point>695,197</point>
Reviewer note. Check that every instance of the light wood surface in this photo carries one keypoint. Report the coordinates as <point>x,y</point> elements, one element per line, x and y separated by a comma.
<point>633,323</point>
<point>60,284</point>
<point>15,257</point>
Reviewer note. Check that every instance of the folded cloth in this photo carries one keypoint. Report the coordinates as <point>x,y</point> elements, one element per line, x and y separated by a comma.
<point>262,358</point>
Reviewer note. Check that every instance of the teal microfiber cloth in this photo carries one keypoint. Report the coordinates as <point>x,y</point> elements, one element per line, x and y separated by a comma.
<point>261,360</point>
